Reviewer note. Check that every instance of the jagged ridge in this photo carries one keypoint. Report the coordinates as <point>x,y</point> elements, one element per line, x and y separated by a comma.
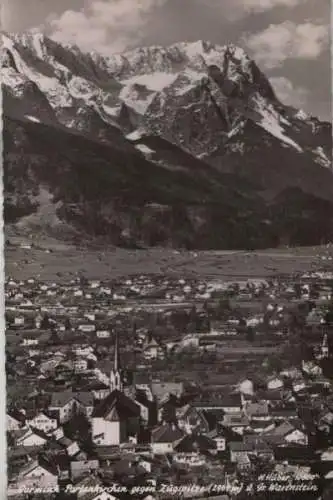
<point>196,108</point>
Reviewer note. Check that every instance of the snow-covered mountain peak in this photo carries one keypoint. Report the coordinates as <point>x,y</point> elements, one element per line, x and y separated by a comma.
<point>194,94</point>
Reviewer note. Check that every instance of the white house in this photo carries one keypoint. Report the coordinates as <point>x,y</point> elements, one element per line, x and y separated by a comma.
<point>275,383</point>
<point>80,365</point>
<point>87,328</point>
<point>297,437</point>
<point>43,423</point>
<point>19,321</point>
<point>64,405</point>
<point>31,438</point>
<point>37,475</point>
<point>327,456</point>
<point>15,421</point>
<point>103,334</point>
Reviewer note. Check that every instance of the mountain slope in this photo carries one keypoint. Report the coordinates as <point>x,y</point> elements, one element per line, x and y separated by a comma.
<point>181,146</point>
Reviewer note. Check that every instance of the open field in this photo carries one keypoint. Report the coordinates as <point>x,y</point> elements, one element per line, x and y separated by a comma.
<point>52,260</point>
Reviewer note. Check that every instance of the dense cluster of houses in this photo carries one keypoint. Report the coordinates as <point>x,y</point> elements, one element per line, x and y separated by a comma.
<point>84,420</point>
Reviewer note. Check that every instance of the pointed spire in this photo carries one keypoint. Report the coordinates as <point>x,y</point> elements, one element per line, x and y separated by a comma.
<point>115,375</point>
<point>116,364</point>
<point>324,347</point>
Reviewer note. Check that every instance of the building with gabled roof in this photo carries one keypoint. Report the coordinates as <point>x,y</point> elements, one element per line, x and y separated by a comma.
<point>38,473</point>
<point>33,438</point>
<point>164,437</point>
<point>115,419</point>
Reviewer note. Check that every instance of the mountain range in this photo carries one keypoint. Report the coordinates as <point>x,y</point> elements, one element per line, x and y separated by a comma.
<point>180,146</point>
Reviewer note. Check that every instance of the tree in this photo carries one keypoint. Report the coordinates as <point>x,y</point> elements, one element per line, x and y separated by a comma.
<point>45,323</point>
<point>250,334</point>
<point>68,325</point>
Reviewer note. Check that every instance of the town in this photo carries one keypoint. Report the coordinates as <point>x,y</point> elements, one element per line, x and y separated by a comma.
<point>162,387</point>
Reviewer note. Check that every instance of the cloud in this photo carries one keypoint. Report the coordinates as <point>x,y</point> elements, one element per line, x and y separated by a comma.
<point>236,9</point>
<point>279,42</point>
<point>105,25</point>
<point>287,93</point>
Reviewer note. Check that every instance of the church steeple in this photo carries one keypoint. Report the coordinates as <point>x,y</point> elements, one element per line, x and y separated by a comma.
<point>115,375</point>
<point>324,347</point>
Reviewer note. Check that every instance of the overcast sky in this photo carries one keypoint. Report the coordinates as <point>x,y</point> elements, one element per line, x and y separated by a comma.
<point>289,39</point>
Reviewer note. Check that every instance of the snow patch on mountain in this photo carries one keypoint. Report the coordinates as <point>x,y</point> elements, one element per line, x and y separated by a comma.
<point>32,118</point>
<point>135,135</point>
<point>321,158</point>
<point>271,121</point>
<point>131,96</point>
<point>144,149</point>
<point>154,81</point>
<point>111,110</point>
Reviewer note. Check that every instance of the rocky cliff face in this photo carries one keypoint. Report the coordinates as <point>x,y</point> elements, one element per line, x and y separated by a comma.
<point>184,145</point>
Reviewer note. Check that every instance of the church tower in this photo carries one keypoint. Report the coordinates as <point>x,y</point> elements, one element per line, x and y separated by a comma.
<point>324,352</point>
<point>115,375</point>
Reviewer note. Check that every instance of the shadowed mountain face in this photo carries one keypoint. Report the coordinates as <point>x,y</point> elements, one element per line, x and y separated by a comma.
<point>184,146</point>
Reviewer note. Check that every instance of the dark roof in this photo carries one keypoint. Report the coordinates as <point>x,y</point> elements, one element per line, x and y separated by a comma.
<point>85,398</point>
<point>166,433</point>
<point>250,445</point>
<point>117,401</point>
<point>193,443</point>
<point>17,415</point>
<point>96,385</point>
<point>286,428</point>
<point>125,467</point>
<point>269,395</point>
<point>299,454</point>
<point>60,399</point>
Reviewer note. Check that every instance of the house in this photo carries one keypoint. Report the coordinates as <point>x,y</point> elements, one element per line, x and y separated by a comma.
<point>153,350</point>
<point>190,418</point>
<point>43,423</point>
<point>115,419</point>
<point>39,473</point>
<point>229,404</point>
<point>164,437</point>
<point>237,423</point>
<point>291,432</point>
<point>15,420</point>
<point>260,418</point>
<point>325,422</point>
<point>71,447</point>
<point>273,398</point>
<point>162,390</point>
<point>193,449</point>
<point>19,320</point>
<point>246,387</point>
<point>327,455</point>
<point>80,365</point>
<point>218,436</point>
<point>284,413</point>
<point>99,389</point>
<point>275,383</point>
<point>84,403</point>
<point>87,328</point>
<point>253,446</point>
<point>103,334</point>
<point>64,405</point>
<point>83,468</point>
<point>239,450</point>
<point>32,438</point>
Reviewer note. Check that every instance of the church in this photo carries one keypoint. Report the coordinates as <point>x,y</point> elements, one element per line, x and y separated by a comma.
<point>116,419</point>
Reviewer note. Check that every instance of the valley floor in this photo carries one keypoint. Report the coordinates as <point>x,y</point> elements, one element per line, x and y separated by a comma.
<point>51,260</point>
